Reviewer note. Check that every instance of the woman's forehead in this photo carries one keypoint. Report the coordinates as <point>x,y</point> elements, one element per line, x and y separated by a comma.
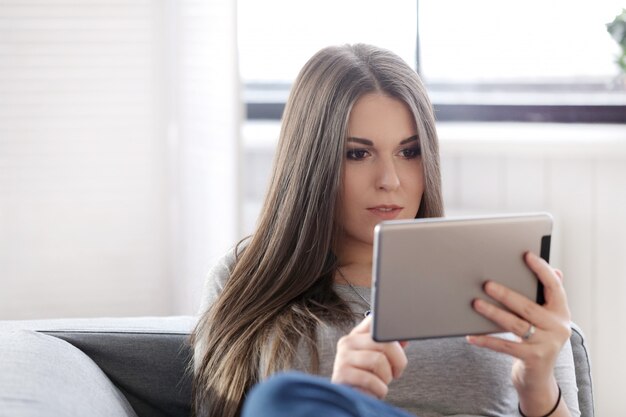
<point>376,117</point>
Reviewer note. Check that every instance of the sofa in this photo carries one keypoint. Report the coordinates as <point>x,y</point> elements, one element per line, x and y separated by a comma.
<point>136,366</point>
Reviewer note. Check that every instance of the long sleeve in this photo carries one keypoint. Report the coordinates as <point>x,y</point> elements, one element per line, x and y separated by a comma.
<point>215,280</point>
<point>565,374</point>
<point>212,288</point>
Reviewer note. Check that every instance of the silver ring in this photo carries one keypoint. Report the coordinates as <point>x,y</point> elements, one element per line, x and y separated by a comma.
<point>530,332</point>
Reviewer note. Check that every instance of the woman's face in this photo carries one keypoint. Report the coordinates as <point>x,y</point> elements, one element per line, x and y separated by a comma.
<point>383,177</point>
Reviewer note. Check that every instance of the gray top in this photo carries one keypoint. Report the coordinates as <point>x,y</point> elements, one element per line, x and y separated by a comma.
<point>444,377</point>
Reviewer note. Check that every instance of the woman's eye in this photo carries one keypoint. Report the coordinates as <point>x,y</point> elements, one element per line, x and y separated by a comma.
<point>357,154</point>
<point>411,153</point>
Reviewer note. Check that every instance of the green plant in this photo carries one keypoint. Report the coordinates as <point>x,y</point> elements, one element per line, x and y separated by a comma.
<point>617,29</point>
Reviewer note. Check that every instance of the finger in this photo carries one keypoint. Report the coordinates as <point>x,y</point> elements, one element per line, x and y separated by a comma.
<point>363,341</point>
<point>506,320</point>
<point>497,344</point>
<point>397,358</point>
<point>518,304</point>
<point>559,274</point>
<point>359,341</point>
<point>368,360</point>
<point>362,380</point>
<point>554,292</point>
<point>552,286</point>
<point>364,326</point>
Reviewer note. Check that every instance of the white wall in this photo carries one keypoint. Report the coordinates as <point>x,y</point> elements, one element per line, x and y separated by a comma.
<point>578,173</point>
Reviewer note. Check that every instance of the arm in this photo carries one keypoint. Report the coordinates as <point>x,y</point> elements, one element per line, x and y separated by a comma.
<point>542,330</point>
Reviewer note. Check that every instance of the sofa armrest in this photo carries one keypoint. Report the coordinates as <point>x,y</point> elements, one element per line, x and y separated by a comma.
<point>43,375</point>
<point>148,368</point>
<point>582,363</point>
<point>146,358</point>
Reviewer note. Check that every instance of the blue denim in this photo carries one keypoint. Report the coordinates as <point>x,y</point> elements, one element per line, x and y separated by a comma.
<point>295,394</point>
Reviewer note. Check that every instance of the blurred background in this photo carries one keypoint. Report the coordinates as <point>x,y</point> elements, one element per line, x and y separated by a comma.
<point>136,139</point>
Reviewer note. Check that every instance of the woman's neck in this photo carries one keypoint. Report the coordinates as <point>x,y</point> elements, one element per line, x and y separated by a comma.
<point>355,263</point>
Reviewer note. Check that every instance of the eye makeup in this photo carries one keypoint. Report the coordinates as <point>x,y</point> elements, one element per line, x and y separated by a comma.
<point>359,153</point>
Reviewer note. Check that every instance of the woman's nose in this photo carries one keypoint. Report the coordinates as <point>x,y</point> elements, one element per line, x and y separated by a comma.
<point>387,178</point>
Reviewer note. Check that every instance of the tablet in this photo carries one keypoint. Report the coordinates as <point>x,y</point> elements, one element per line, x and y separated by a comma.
<point>426,272</point>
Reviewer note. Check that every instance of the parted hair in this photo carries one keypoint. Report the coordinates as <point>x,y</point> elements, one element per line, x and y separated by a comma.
<point>280,286</point>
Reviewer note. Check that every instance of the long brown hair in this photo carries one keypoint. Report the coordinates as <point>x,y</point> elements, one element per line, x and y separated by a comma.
<point>280,287</point>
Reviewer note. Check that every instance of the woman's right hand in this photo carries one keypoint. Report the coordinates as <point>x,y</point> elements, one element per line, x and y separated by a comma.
<point>367,365</point>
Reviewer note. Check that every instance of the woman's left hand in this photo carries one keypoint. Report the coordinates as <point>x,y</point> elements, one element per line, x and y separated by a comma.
<point>542,331</point>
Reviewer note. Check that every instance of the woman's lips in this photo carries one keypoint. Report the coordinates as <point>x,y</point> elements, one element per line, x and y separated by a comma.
<point>385,212</point>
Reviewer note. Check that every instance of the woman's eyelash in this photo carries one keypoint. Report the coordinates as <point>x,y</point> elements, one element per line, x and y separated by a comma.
<point>412,152</point>
<point>356,154</point>
<point>360,153</point>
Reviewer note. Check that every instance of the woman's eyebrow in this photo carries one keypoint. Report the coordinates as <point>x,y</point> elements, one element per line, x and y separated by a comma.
<point>368,142</point>
<point>361,141</point>
<point>407,140</point>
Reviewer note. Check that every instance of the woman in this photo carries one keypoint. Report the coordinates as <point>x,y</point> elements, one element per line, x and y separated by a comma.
<point>358,145</point>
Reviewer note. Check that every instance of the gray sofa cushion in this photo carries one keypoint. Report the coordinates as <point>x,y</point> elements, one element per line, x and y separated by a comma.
<point>145,357</point>
<point>46,376</point>
<point>149,368</point>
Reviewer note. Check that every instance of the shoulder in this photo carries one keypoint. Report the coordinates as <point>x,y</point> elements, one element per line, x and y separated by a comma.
<point>216,279</point>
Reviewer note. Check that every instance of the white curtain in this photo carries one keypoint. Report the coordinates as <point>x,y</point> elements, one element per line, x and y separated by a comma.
<point>118,148</point>
<point>209,116</point>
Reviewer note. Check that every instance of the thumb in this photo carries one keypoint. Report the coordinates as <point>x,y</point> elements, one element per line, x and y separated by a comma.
<point>364,326</point>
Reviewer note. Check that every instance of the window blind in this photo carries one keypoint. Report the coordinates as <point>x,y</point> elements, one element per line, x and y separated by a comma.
<point>83,213</point>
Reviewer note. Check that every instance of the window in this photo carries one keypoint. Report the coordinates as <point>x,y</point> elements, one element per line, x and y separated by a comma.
<point>548,42</point>
<point>541,61</point>
<point>482,60</point>
<point>277,37</point>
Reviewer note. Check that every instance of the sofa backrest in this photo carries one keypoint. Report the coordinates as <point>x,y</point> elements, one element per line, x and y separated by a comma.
<point>151,368</point>
<point>146,358</point>
<point>148,368</point>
